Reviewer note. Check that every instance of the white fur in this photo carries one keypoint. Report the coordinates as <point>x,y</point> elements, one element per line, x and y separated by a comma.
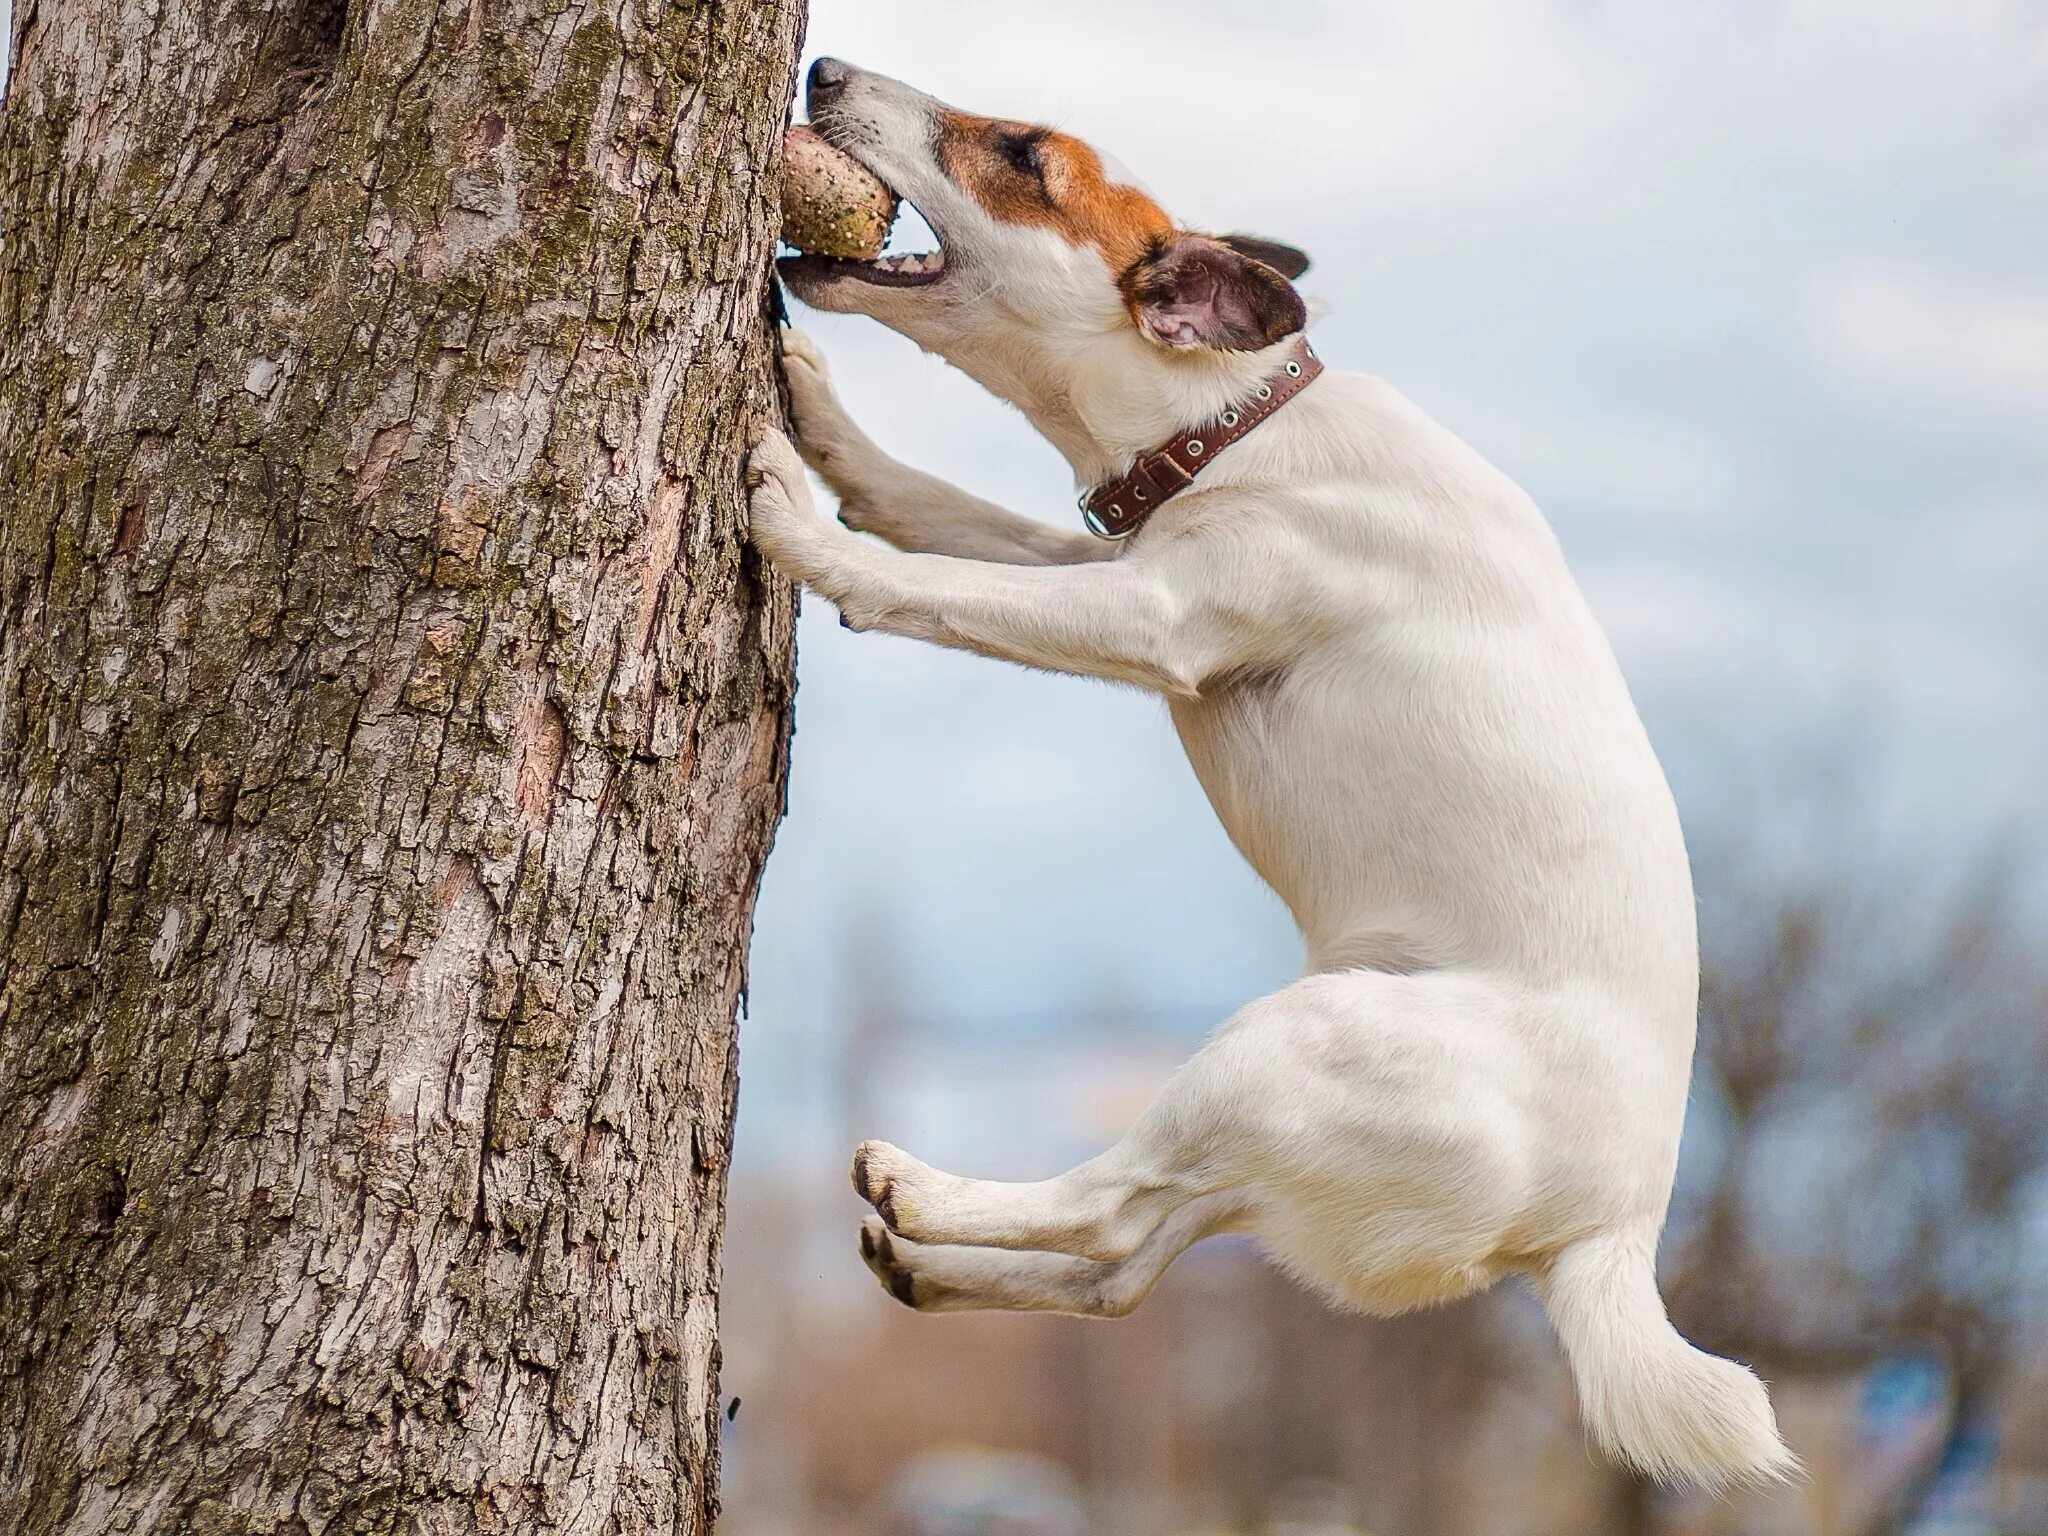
<point>1411,726</point>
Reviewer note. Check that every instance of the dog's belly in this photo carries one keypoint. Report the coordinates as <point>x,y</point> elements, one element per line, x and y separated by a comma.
<point>1361,1280</point>
<point>1415,815</point>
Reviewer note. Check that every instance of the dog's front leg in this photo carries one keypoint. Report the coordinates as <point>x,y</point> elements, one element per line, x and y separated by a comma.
<point>911,509</point>
<point>1124,620</point>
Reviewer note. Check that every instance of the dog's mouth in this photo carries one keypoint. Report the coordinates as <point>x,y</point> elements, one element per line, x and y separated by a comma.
<point>889,270</point>
<point>913,256</point>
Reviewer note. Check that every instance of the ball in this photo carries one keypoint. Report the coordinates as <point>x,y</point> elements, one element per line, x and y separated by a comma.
<point>832,205</point>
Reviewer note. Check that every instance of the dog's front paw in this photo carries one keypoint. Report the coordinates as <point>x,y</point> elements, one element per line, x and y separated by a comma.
<point>784,525</point>
<point>803,362</point>
<point>781,519</point>
<point>843,456</point>
<point>825,433</point>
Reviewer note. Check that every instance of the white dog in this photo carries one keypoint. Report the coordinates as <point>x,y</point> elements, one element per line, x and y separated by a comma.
<point>1405,716</point>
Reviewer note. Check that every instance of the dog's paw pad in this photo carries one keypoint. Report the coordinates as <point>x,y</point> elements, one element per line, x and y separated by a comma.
<point>903,1286</point>
<point>879,1252</point>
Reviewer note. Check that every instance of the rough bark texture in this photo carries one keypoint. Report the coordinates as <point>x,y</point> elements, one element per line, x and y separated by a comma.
<point>392,725</point>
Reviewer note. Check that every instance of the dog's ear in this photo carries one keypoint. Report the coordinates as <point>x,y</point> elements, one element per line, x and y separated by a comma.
<point>1284,259</point>
<point>1196,291</point>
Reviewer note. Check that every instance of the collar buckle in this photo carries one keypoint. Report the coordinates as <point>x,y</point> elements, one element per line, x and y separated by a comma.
<point>1162,475</point>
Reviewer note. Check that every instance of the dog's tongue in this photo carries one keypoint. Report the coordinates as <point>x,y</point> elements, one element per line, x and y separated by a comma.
<point>832,205</point>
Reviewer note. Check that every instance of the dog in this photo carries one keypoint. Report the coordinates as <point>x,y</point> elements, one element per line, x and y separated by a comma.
<point>1405,716</point>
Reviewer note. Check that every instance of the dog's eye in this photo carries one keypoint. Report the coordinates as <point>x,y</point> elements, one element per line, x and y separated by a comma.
<point>1021,150</point>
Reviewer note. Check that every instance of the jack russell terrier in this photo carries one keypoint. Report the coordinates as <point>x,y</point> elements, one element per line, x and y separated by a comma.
<point>1407,719</point>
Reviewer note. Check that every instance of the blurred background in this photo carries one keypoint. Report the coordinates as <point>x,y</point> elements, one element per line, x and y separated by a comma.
<point>1754,300</point>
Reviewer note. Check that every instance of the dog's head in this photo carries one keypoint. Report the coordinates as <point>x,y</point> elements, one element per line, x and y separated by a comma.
<point>1058,279</point>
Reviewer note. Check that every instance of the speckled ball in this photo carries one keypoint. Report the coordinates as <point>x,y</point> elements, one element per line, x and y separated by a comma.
<point>832,205</point>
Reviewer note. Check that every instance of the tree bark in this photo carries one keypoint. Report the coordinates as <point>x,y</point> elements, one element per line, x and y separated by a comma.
<point>392,726</point>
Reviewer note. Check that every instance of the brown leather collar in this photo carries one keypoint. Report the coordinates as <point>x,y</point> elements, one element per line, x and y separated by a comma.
<point>1115,510</point>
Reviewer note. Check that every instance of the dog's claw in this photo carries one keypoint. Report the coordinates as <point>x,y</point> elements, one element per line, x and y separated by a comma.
<point>875,1184</point>
<point>867,1184</point>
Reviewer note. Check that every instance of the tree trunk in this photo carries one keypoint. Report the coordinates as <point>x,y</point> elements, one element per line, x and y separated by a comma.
<point>392,724</point>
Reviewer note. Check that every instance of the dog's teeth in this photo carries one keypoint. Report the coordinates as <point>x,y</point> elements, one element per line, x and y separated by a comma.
<point>920,262</point>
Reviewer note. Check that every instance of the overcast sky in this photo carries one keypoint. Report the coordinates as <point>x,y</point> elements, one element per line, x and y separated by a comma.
<point>1752,298</point>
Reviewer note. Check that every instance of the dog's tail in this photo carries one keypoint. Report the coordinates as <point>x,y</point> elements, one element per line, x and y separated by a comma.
<point>1651,1399</point>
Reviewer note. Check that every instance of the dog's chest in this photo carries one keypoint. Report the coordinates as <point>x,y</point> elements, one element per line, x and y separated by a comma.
<point>1243,739</point>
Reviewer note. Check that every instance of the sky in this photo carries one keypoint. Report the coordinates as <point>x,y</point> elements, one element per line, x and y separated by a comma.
<point>1752,298</point>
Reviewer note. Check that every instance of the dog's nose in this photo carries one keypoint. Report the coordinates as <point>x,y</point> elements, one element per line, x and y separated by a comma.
<point>827,79</point>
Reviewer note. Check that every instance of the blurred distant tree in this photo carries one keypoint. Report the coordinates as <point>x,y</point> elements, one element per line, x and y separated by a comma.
<point>392,725</point>
<point>1875,1069</point>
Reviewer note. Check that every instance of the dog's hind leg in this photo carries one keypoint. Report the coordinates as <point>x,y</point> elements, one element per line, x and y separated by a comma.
<point>1103,1210</point>
<point>953,1279</point>
<point>1192,1141</point>
<point>1365,1119</point>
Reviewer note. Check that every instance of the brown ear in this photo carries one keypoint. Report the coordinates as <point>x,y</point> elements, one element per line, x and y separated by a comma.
<point>1195,291</point>
<point>1289,262</point>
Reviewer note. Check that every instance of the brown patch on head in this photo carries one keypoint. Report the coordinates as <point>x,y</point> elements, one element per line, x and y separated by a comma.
<point>1034,176</point>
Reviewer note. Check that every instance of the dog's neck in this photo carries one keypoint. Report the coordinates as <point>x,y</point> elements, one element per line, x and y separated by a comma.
<point>1129,398</point>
